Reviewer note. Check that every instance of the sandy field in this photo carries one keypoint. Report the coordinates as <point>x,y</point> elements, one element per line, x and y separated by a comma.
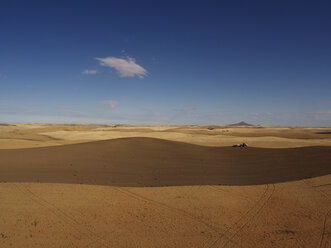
<point>164,186</point>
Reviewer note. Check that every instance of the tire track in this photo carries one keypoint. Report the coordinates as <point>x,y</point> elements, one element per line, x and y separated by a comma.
<point>275,220</point>
<point>216,229</point>
<point>321,185</point>
<point>264,203</point>
<point>27,194</point>
<point>228,230</point>
<point>316,188</point>
<point>67,218</point>
<point>248,216</point>
<point>326,231</point>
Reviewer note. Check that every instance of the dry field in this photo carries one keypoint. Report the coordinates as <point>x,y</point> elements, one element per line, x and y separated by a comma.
<point>164,186</point>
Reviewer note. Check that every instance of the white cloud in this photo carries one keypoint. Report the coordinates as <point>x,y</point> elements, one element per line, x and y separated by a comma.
<point>110,103</point>
<point>124,67</point>
<point>89,72</point>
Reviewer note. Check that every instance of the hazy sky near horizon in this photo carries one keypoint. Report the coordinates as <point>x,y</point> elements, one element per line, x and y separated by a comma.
<point>166,62</point>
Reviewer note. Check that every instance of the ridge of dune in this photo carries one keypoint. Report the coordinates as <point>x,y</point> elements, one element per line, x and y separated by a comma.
<point>198,139</point>
<point>42,135</point>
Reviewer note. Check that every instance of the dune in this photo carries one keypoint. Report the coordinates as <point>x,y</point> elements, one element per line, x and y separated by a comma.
<point>155,162</point>
<point>189,136</point>
<point>137,186</point>
<point>42,135</point>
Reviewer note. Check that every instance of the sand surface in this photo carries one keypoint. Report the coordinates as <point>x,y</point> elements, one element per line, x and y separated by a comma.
<point>156,162</point>
<point>56,191</point>
<point>28,135</point>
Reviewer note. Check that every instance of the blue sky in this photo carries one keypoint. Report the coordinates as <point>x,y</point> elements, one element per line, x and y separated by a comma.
<point>164,62</point>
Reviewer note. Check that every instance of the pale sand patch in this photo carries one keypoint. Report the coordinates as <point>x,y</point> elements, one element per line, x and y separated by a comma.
<point>143,128</point>
<point>37,135</point>
<point>21,143</point>
<point>198,139</point>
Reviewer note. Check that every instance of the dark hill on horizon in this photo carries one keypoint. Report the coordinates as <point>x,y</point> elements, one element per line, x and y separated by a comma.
<point>242,123</point>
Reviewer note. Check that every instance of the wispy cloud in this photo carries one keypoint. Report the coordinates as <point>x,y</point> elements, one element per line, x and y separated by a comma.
<point>86,72</point>
<point>110,103</point>
<point>125,67</point>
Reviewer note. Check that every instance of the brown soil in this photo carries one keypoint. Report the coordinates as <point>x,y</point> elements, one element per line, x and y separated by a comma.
<point>155,162</point>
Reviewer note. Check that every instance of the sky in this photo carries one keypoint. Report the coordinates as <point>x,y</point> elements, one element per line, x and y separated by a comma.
<point>166,62</point>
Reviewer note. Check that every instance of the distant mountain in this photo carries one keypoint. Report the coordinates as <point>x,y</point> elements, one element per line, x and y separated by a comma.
<point>6,124</point>
<point>242,123</point>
